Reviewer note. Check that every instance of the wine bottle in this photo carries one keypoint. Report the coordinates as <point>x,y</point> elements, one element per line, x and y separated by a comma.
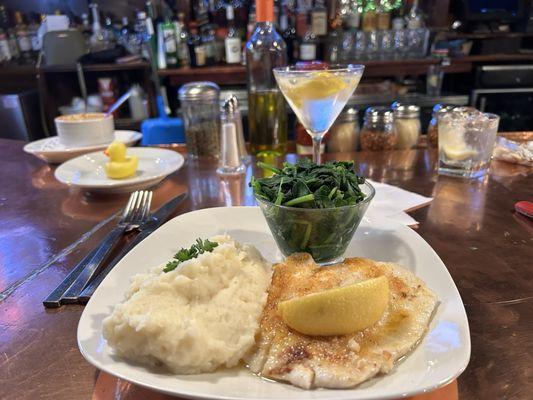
<point>265,50</point>
<point>232,41</point>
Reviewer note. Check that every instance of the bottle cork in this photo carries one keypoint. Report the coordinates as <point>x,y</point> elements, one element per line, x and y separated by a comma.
<point>264,10</point>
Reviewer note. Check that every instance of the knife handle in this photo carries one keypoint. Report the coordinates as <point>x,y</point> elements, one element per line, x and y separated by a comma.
<point>72,293</point>
<point>86,294</point>
<point>53,300</point>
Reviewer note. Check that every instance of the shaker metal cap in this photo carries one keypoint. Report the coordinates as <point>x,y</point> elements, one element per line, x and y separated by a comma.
<point>199,91</point>
<point>442,108</point>
<point>378,114</point>
<point>405,110</point>
<point>349,114</point>
<point>231,105</point>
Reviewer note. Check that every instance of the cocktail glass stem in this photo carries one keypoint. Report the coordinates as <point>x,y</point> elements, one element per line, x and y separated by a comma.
<point>317,142</point>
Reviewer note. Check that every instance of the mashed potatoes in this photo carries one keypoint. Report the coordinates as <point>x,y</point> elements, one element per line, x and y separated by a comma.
<point>202,315</point>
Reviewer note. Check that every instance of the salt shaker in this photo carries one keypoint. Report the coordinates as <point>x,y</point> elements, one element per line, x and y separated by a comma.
<point>230,153</point>
<point>231,105</point>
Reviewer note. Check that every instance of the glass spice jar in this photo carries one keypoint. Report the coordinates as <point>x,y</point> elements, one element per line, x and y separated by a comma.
<point>378,132</point>
<point>201,116</point>
<point>344,134</point>
<point>407,124</point>
<point>433,127</point>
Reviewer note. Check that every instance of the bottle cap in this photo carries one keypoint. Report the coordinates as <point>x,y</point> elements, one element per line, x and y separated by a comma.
<point>264,10</point>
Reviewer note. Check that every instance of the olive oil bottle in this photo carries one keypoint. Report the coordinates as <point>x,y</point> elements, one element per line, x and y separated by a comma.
<point>267,116</point>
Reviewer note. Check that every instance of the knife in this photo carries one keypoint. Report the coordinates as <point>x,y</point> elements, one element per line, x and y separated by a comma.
<point>154,222</point>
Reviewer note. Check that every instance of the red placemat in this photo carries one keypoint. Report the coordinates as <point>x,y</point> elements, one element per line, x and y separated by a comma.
<point>110,388</point>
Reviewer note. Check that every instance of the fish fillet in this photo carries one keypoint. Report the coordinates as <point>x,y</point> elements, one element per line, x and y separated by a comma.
<point>340,361</point>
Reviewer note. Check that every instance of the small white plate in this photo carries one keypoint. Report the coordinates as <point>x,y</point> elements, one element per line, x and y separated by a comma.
<point>441,356</point>
<point>87,171</point>
<point>52,151</point>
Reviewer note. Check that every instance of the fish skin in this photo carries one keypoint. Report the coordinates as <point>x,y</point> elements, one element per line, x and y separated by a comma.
<point>340,361</point>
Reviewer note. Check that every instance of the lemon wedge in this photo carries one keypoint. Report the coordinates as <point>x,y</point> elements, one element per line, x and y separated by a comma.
<point>459,153</point>
<point>319,86</point>
<point>322,84</point>
<point>338,311</point>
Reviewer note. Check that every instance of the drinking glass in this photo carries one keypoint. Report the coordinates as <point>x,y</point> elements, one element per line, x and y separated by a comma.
<point>317,96</point>
<point>466,141</point>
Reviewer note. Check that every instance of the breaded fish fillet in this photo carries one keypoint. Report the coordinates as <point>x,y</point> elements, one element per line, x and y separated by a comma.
<point>340,361</point>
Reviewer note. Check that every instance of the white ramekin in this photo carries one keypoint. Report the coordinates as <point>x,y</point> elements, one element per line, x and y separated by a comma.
<point>85,129</point>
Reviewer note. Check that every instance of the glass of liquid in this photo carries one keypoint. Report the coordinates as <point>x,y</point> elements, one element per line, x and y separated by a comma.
<point>466,141</point>
<point>318,96</point>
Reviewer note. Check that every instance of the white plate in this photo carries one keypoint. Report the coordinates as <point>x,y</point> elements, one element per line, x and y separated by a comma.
<point>53,151</point>
<point>440,357</point>
<point>87,171</point>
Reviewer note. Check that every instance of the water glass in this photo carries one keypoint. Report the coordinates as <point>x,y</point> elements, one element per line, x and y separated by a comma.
<point>400,44</point>
<point>386,45</point>
<point>466,141</point>
<point>372,45</point>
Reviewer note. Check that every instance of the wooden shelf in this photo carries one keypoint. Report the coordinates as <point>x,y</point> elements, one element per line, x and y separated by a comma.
<point>140,65</point>
<point>236,75</point>
<point>224,74</point>
<point>482,35</point>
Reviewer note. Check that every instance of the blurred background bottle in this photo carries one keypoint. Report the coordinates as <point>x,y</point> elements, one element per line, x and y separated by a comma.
<point>267,115</point>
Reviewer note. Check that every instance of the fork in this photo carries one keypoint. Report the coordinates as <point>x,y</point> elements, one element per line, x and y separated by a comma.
<point>135,213</point>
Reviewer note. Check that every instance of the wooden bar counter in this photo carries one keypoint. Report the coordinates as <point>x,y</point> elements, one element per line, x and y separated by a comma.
<point>45,228</point>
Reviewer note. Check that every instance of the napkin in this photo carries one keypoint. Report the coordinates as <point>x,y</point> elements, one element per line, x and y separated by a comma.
<point>392,202</point>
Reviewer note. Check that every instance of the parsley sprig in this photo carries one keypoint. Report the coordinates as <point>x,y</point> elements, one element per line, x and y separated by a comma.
<point>200,247</point>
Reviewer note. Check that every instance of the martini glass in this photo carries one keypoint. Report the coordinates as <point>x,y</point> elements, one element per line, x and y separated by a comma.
<point>317,96</point>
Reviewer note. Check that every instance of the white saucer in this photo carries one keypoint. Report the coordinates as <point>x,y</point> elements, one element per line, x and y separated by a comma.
<point>54,152</point>
<point>87,171</point>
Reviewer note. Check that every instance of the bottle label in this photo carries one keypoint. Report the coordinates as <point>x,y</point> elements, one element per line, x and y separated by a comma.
<point>170,41</point>
<point>183,55</point>
<point>233,50</point>
<point>319,23</point>
<point>199,52</point>
<point>307,51</point>
<point>24,43</point>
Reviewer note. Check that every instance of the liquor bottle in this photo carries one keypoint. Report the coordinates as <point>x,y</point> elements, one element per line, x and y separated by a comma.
<point>308,46</point>
<point>414,17</point>
<point>4,18</point>
<point>169,38</point>
<point>267,116</point>
<point>151,20</point>
<point>383,16</point>
<point>288,32</point>
<point>23,40</point>
<point>370,19</point>
<point>208,40</point>
<point>250,27</point>
<point>13,44</point>
<point>301,19</point>
<point>182,36</point>
<point>351,15</point>
<point>201,12</point>
<point>5,54</point>
<point>232,42</point>
<point>319,18</point>
<point>196,48</point>
<point>33,28</point>
<point>97,39</point>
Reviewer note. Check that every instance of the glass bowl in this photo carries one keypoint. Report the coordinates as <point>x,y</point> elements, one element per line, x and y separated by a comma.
<point>322,232</point>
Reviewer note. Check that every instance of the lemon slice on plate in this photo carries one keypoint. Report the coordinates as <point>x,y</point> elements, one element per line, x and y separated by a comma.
<point>338,311</point>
